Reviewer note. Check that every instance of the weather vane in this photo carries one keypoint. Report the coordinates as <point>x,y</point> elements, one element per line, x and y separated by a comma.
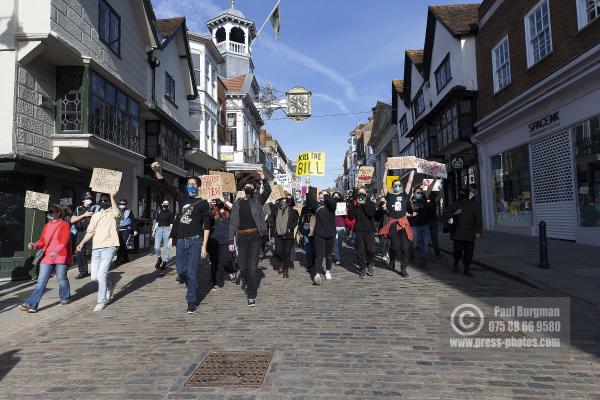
<point>232,2</point>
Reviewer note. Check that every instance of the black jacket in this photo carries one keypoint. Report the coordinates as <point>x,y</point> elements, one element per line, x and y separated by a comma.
<point>325,226</point>
<point>293,220</point>
<point>256,205</point>
<point>363,214</point>
<point>469,221</point>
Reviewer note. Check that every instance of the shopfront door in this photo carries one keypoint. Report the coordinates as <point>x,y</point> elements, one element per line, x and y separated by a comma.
<point>554,186</point>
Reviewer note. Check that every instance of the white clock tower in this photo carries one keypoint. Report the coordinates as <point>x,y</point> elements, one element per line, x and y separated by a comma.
<point>233,34</point>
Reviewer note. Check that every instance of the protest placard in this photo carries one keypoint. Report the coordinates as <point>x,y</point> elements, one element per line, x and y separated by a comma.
<point>277,192</point>
<point>37,201</point>
<point>211,187</point>
<point>431,168</point>
<point>407,162</point>
<point>227,181</point>
<point>365,175</point>
<point>310,164</point>
<point>66,202</point>
<point>106,180</point>
<point>436,187</point>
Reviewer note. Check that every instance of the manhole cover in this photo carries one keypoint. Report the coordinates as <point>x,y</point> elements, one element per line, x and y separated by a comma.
<point>240,369</point>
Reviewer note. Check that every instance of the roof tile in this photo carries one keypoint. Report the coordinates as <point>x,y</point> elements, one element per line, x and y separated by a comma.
<point>460,19</point>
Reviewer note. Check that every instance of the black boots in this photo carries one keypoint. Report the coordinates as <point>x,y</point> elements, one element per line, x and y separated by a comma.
<point>158,263</point>
<point>403,272</point>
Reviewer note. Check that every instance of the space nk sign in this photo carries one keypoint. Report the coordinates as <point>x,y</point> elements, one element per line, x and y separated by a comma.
<point>310,163</point>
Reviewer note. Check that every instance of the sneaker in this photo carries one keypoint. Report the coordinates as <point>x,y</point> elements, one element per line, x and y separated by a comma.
<point>216,287</point>
<point>25,308</point>
<point>109,291</point>
<point>386,258</point>
<point>370,271</point>
<point>317,279</point>
<point>64,302</point>
<point>99,307</point>
<point>403,273</point>
<point>180,280</point>
<point>158,263</point>
<point>328,275</point>
<point>361,274</point>
<point>81,276</point>
<point>251,302</point>
<point>191,308</point>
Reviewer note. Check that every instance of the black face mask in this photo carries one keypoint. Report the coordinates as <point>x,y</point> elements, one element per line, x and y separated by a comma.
<point>165,207</point>
<point>249,191</point>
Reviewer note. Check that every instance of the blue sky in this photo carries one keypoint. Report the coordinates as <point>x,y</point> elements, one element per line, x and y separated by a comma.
<point>345,51</point>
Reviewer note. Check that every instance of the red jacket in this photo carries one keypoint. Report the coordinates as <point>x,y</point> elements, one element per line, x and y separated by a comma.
<point>56,237</point>
<point>401,224</point>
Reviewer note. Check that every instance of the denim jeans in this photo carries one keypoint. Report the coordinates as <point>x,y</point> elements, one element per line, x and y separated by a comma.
<point>161,239</point>
<point>64,291</point>
<point>186,264</point>
<point>101,260</point>
<point>340,235</point>
<point>433,232</point>
<point>421,239</point>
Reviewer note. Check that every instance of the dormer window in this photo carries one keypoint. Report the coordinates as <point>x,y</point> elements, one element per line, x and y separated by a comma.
<point>443,74</point>
<point>419,103</point>
<point>169,88</point>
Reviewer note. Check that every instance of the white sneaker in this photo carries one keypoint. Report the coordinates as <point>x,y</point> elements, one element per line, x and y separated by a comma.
<point>386,258</point>
<point>328,275</point>
<point>317,279</point>
<point>100,307</point>
<point>109,291</point>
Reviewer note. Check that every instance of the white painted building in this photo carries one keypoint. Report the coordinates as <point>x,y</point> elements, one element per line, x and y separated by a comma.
<point>205,110</point>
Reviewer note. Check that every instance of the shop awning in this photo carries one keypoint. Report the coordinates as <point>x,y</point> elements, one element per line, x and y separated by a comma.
<point>203,160</point>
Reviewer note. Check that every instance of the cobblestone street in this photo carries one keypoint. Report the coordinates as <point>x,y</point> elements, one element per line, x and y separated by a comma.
<point>347,339</point>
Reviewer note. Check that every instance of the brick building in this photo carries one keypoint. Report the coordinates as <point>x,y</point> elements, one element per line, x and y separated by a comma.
<point>538,133</point>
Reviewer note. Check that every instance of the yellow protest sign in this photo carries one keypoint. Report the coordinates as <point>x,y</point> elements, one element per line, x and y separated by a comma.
<point>310,163</point>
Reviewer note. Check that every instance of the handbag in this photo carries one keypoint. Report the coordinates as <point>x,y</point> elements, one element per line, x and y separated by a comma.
<point>38,256</point>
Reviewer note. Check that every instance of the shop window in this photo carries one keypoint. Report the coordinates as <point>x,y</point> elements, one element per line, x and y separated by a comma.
<point>587,160</point>
<point>512,187</point>
<point>12,221</point>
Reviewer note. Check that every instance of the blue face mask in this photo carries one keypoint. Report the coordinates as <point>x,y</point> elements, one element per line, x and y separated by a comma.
<point>192,191</point>
<point>419,196</point>
<point>397,189</point>
<point>50,217</point>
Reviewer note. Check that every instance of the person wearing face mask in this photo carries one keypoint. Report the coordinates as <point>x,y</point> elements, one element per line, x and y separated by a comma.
<point>467,231</point>
<point>362,210</point>
<point>191,229</point>
<point>247,229</point>
<point>306,230</point>
<point>324,233</point>
<point>221,258</point>
<point>160,232</point>
<point>286,222</point>
<point>103,230</point>
<point>80,221</point>
<point>397,228</point>
<point>127,226</point>
<point>55,240</point>
<point>340,226</point>
<point>419,221</point>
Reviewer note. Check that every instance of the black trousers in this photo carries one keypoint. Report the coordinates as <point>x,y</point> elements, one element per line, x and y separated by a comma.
<point>400,244</point>
<point>323,250</point>
<point>122,254</point>
<point>464,249</point>
<point>221,263</point>
<point>283,250</point>
<point>365,248</point>
<point>248,253</point>
<point>81,257</point>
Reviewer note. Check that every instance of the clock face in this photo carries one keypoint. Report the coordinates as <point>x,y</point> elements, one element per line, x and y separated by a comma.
<point>299,104</point>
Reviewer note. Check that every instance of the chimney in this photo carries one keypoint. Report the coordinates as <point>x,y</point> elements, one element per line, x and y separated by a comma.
<point>263,136</point>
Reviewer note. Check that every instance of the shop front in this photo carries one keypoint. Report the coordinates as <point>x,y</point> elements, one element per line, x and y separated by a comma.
<point>546,168</point>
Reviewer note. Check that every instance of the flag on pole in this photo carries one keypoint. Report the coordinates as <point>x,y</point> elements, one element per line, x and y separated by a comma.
<point>275,20</point>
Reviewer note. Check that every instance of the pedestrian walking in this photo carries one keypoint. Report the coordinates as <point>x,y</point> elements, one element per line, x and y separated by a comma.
<point>465,217</point>
<point>306,229</point>
<point>286,222</point>
<point>80,221</point>
<point>381,218</point>
<point>362,210</point>
<point>432,222</point>
<point>398,228</point>
<point>161,230</point>
<point>103,230</point>
<point>191,229</point>
<point>419,221</point>
<point>247,229</point>
<point>56,244</point>
<point>221,257</point>
<point>128,226</point>
<point>340,225</point>
<point>324,234</point>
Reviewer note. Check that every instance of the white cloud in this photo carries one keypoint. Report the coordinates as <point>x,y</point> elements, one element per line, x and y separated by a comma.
<point>196,12</point>
<point>295,56</point>
<point>340,104</point>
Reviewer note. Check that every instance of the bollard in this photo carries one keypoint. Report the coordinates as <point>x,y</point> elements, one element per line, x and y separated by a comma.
<point>543,246</point>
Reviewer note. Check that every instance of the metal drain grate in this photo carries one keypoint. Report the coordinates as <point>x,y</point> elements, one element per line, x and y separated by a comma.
<point>239,369</point>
